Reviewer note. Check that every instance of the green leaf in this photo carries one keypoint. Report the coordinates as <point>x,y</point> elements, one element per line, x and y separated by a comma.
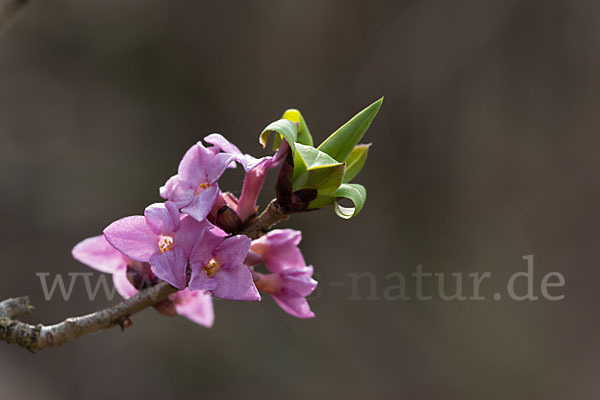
<point>355,193</point>
<point>286,129</point>
<point>304,136</point>
<point>317,170</point>
<point>352,191</point>
<point>341,142</point>
<point>326,179</point>
<point>355,161</point>
<point>306,157</point>
<point>321,202</point>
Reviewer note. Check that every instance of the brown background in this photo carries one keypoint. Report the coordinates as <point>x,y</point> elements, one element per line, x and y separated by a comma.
<point>485,150</point>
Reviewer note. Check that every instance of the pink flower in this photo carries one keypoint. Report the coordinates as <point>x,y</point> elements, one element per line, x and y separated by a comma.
<point>97,253</point>
<point>256,171</point>
<point>290,280</point>
<point>160,237</point>
<point>279,249</point>
<point>217,265</point>
<point>194,189</point>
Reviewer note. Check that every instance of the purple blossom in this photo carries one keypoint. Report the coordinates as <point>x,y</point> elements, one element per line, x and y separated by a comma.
<point>217,265</point>
<point>195,189</point>
<point>279,249</point>
<point>98,254</point>
<point>160,237</point>
<point>290,280</point>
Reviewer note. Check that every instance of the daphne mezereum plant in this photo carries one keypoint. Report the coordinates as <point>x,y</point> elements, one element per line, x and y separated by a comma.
<point>203,242</point>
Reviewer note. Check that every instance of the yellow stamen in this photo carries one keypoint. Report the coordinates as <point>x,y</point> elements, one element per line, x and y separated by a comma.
<point>165,243</point>
<point>202,187</point>
<point>212,267</point>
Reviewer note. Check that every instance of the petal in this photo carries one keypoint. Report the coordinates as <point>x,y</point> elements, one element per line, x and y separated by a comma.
<point>122,284</point>
<point>298,282</point>
<point>182,194</point>
<point>296,306</point>
<point>189,233</point>
<point>218,231</point>
<point>97,253</point>
<point>279,250</point>
<point>205,248</point>
<point>281,237</point>
<point>132,237</point>
<point>197,306</point>
<point>199,279</point>
<point>217,165</point>
<point>192,167</point>
<point>233,250</point>
<point>223,144</point>
<point>253,259</point>
<point>162,218</point>
<point>247,161</point>
<point>202,203</point>
<point>165,191</point>
<point>170,266</point>
<point>235,283</point>
<point>279,259</point>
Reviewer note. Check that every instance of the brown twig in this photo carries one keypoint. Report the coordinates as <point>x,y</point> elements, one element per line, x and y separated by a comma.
<point>272,215</point>
<point>38,337</point>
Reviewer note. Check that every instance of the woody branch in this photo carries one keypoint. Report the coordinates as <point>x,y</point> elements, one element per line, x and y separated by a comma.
<point>38,337</point>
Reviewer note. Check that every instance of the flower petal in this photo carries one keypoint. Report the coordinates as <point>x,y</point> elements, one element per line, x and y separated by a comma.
<point>132,237</point>
<point>298,281</point>
<point>97,253</point>
<point>192,167</point>
<point>217,165</point>
<point>233,250</point>
<point>253,259</point>
<point>235,283</point>
<point>281,237</point>
<point>202,203</point>
<point>279,259</point>
<point>181,194</point>
<point>162,218</point>
<point>196,305</point>
<point>166,190</point>
<point>170,266</point>
<point>279,250</point>
<point>199,279</point>
<point>296,306</point>
<point>204,249</point>
<point>247,161</point>
<point>122,284</point>
<point>223,144</point>
<point>189,233</point>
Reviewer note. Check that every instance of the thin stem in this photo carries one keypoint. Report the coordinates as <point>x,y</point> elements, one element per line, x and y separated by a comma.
<point>272,215</point>
<point>37,337</point>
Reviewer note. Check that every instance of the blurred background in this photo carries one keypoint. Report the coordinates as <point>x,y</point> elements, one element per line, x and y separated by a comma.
<point>484,151</point>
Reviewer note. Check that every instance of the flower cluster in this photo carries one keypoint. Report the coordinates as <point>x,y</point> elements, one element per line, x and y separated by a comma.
<point>194,240</point>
